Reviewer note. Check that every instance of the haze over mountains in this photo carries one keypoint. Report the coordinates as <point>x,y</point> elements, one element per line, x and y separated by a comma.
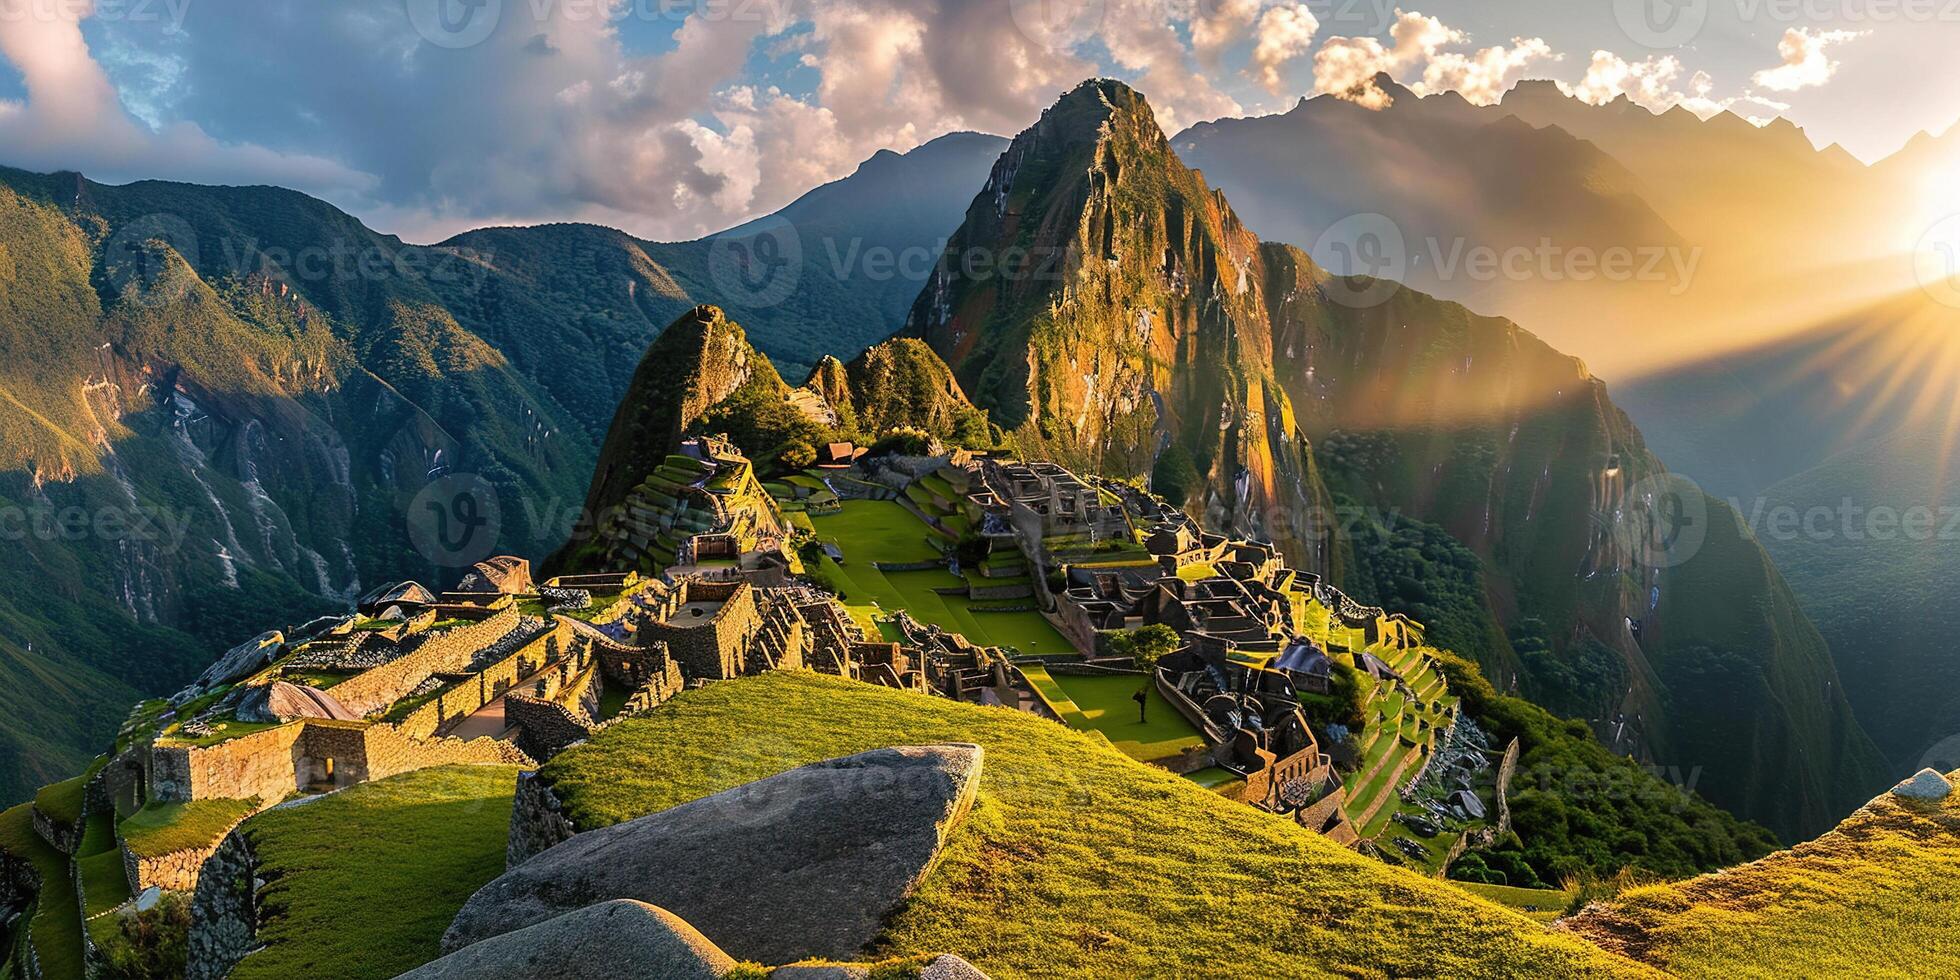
<point>288,412</point>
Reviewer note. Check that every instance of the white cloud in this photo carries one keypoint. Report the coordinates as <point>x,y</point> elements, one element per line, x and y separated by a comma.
<point>1346,66</point>
<point>1285,33</point>
<point>73,118</point>
<point>1220,25</point>
<point>1806,63</point>
<point>1656,83</point>
<point>1485,75</point>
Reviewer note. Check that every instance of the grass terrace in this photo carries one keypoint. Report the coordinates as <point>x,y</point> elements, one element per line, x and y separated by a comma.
<point>56,922</point>
<point>62,802</point>
<point>165,828</point>
<point>365,880</point>
<point>105,885</point>
<point>1077,861</point>
<point>870,532</point>
<point>1104,704</point>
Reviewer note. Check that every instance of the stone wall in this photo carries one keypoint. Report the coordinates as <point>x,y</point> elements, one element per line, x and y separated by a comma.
<point>711,649</point>
<point>450,653</point>
<point>537,820</point>
<point>176,871</point>
<point>260,764</point>
<point>545,727</point>
<point>484,686</point>
<point>60,836</point>
<point>225,910</point>
<point>391,752</point>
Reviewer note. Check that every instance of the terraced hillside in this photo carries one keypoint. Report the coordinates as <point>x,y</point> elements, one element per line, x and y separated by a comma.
<point>1076,861</point>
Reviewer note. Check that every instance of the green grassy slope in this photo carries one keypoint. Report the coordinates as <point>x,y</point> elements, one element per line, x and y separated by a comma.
<point>365,881</point>
<point>1877,897</point>
<point>1077,861</point>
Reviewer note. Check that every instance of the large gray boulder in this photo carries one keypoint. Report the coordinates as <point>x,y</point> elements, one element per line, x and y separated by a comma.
<point>802,865</point>
<point>617,940</point>
<point>1924,785</point>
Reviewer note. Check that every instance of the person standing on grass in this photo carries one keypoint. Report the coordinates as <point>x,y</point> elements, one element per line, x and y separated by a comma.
<point>1142,698</point>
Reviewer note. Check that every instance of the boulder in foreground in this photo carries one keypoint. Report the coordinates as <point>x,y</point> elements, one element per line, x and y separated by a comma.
<point>802,865</point>
<point>617,940</point>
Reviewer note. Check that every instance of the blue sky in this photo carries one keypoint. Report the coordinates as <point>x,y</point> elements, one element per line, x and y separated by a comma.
<point>674,118</point>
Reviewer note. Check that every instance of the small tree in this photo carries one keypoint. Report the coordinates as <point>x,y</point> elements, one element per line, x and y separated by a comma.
<point>1152,643</point>
<point>798,456</point>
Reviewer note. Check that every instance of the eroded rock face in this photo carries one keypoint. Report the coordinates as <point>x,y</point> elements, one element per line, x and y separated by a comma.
<point>246,658</point>
<point>802,865</point>
<point>1924,785</point>
<point>616,940</point>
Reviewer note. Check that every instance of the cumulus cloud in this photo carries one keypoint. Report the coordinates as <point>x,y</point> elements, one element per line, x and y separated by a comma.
<point>1806,62</point>
<point>1220,26</point>
<point>1285,33</point>
<point>74,118</point>
<point>1658,84</point>
<point>1483,76</point>
<point>1346,66</point>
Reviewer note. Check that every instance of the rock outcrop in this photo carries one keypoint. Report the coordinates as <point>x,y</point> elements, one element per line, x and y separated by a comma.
<point>616,940</point>
<point>805,864</point>
<point>1924,785</point>
<point>282,701</point>
<point>242,660</point>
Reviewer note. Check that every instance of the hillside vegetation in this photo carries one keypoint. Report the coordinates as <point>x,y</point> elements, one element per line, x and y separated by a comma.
<point>1877,897</point>
<point>1077,861</point>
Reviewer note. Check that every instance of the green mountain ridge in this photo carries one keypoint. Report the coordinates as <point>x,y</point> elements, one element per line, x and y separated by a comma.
<point>274,383</point>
